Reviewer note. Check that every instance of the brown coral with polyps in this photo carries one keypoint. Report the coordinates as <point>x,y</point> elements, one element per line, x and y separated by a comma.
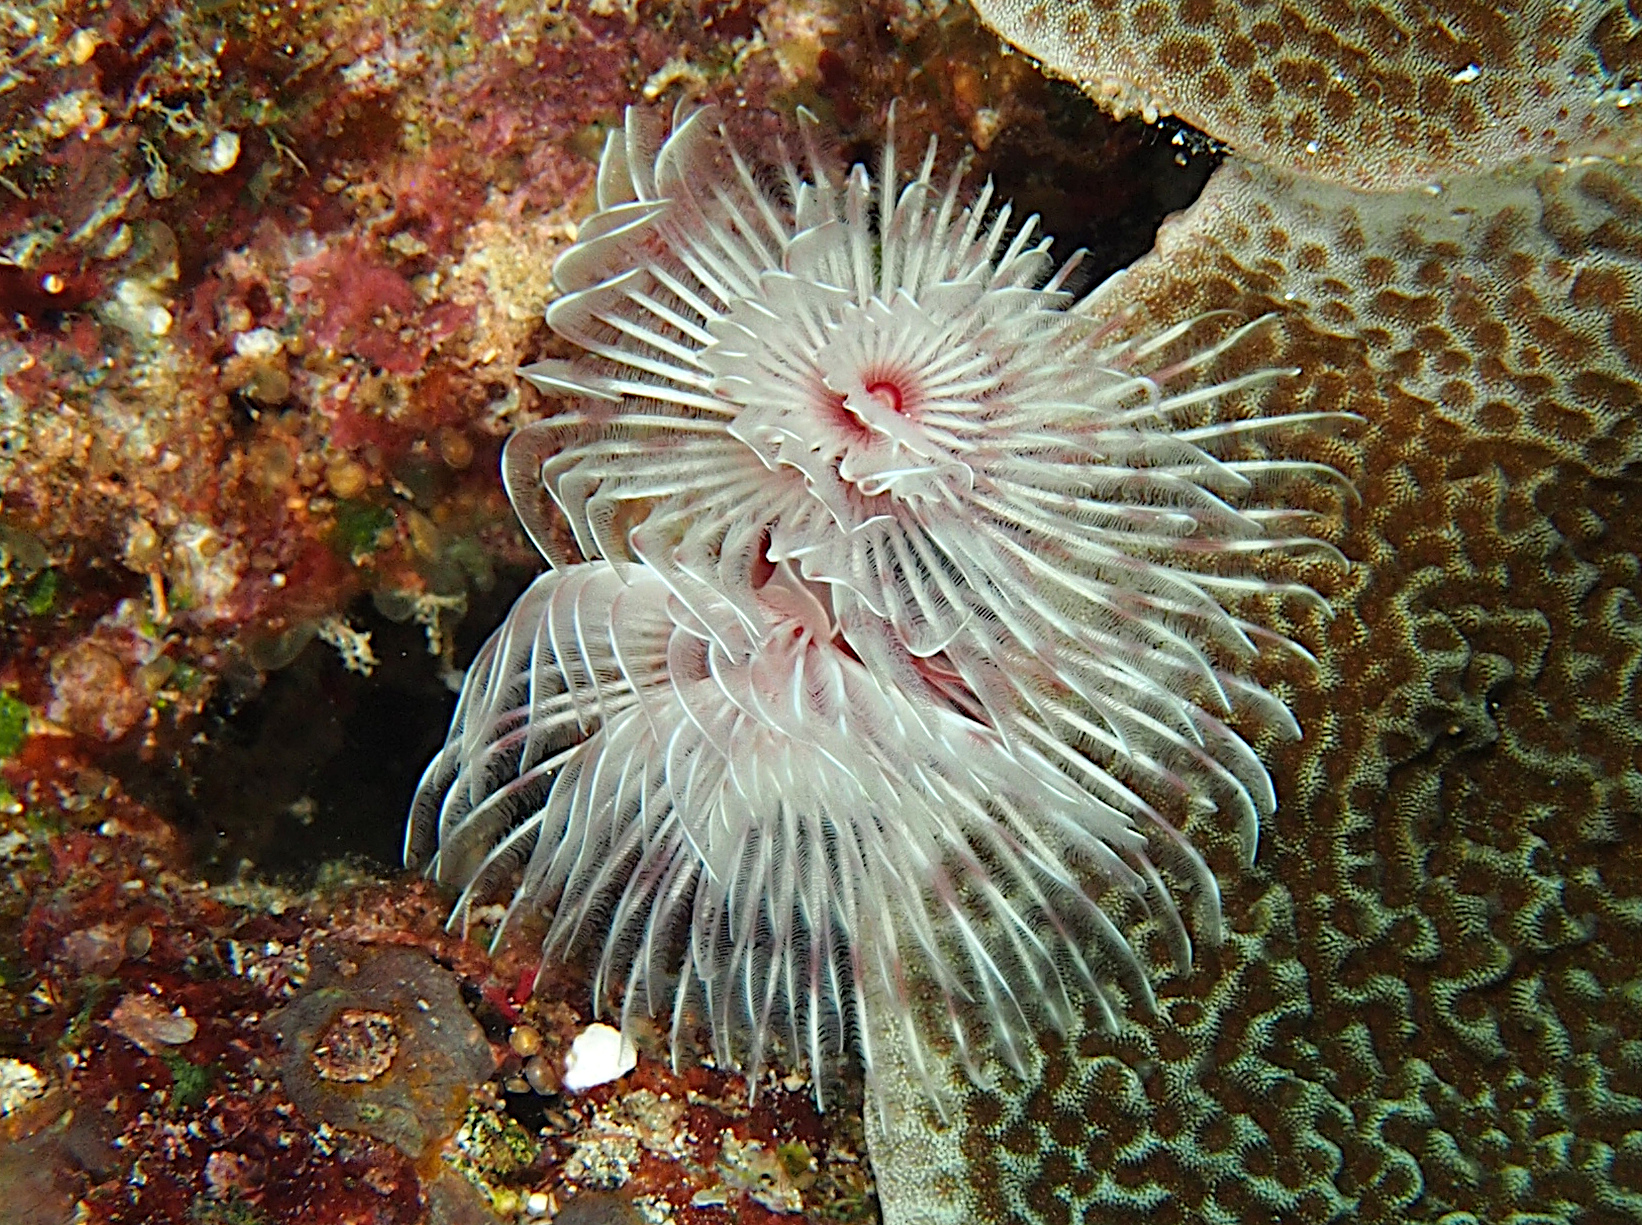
<point>1370,95</point>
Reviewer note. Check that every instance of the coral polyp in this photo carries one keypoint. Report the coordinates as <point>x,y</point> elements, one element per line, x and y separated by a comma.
<point>913,597</point>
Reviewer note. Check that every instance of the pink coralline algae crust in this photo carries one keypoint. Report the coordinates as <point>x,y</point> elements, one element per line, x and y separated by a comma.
<point>265,276</point>
<point>177,1030</point>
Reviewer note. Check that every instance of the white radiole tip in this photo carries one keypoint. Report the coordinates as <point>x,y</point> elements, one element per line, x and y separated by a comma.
<point>598,1056</point>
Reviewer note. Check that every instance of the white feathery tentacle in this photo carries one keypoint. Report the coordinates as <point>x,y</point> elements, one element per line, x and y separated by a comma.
<point>782,798</point>
<point>913,605</point>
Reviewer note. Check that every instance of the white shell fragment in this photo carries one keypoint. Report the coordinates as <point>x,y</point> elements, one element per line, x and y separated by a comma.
<point>259,342</point>
<point>20,1083</point>
<point>598,1056</point>
<point>219,157</point>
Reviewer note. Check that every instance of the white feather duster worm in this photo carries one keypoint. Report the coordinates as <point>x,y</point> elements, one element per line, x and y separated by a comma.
<point>881,386</point>
<point>920,583</point>
<point>749,831</point>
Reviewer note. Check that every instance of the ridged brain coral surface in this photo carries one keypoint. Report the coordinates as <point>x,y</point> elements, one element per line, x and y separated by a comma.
<point>1426,1006</point>
<point>1505,304</point>
<point>1372,95</point>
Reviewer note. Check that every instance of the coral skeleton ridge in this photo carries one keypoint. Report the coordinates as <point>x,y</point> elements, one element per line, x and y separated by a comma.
<point>911,614</point>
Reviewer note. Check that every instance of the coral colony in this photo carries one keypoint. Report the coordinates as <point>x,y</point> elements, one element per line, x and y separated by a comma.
<point>905,589</point>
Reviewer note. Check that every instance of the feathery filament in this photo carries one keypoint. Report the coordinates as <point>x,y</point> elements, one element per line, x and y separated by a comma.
<point>907,590</point>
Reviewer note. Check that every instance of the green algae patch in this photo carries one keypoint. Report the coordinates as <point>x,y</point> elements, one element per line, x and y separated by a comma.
<point>360,528</point>
<point>233,1211</point>
<point>190,1082</point>
<point>14,724</point>
<point>40,593</point>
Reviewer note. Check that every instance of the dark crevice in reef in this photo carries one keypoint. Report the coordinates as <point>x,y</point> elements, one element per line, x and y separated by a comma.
<point>1096,183</point>
<point>319,763</point>
<point>1107,207</point>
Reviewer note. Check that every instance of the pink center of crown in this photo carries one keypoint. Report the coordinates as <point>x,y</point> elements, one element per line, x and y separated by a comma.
<point>887,393</point>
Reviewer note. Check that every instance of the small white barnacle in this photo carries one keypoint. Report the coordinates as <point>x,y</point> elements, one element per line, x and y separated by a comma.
<point>220,156</point>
